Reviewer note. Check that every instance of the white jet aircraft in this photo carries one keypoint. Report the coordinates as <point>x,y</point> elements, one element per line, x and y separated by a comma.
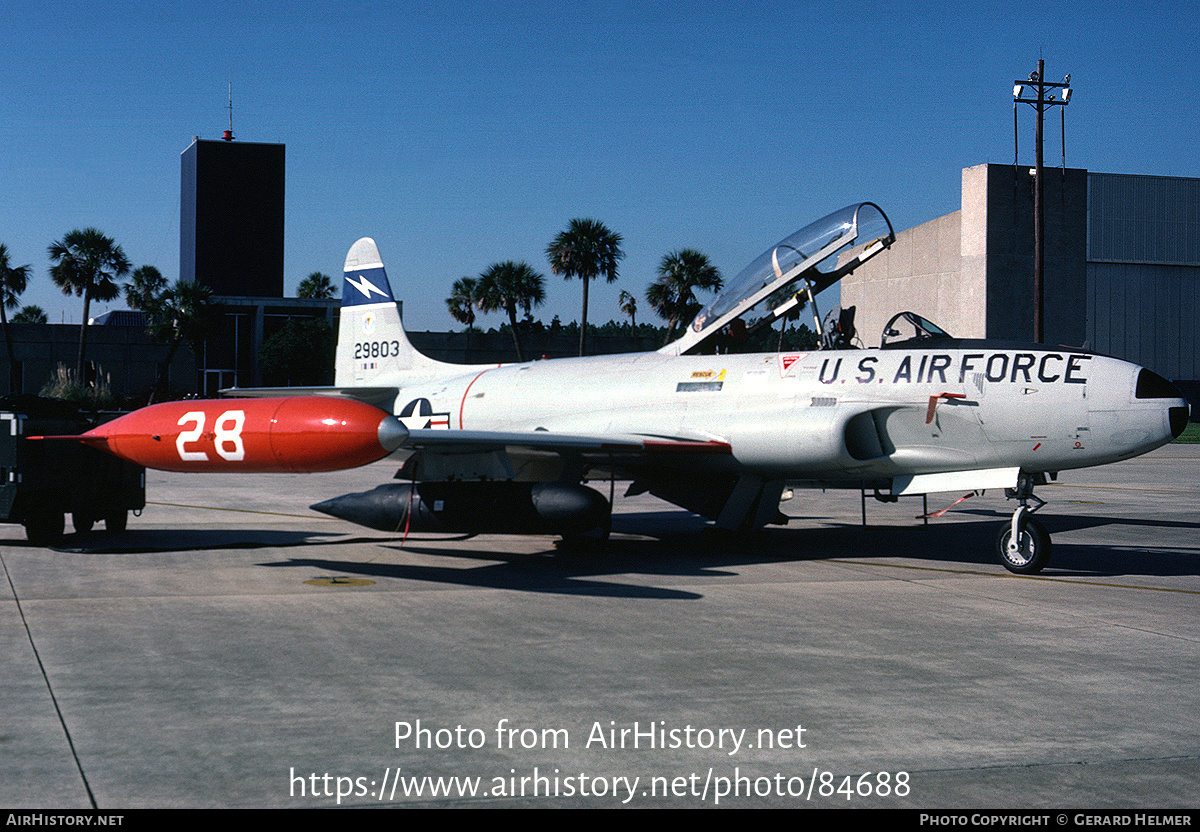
<point>505,448</point>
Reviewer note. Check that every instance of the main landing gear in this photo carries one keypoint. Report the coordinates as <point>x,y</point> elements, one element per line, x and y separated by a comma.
<point>1024,543</point>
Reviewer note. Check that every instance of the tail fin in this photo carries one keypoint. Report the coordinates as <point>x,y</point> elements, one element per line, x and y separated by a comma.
<point>373,349</point>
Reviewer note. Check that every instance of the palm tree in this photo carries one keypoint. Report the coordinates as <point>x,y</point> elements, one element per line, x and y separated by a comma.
<point>12,283</point>
<point>31,314</point>
<point>144,288</point>
<point>628,304</point>
<point>316,285</point>
<point>587,249</point>
<point>673,294</point>
<point>461,304</point>
<point>174,314</point>
<point>88,265</point>
<point>508,286</point>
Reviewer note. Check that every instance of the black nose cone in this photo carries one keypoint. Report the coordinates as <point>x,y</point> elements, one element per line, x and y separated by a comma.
<point>1179,420</point>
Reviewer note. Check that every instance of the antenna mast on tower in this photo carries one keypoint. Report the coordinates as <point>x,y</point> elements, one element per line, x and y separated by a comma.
<point>229,133</point>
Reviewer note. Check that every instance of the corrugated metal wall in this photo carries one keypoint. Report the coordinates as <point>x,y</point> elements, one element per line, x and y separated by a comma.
<point>1143,219</point>
<point>1146,314</point>
<point>1144,271</point>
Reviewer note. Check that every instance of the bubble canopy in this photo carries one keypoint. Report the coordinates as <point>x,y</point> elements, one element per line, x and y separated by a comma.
<point>821,253</point>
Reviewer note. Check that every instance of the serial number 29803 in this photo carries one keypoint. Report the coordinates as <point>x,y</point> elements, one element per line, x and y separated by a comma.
<point>376,349</point>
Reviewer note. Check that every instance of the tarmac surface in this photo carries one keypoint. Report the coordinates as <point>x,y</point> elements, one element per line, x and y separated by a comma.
<point>234,649</point>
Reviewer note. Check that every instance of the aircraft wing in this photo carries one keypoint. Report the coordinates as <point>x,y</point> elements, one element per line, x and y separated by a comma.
<point>439,454</point>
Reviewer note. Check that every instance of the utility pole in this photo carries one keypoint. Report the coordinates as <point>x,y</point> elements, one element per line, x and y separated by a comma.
<point>1039,85</point>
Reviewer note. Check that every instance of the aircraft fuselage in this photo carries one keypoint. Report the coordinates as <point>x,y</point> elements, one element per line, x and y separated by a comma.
<point>826,415</point>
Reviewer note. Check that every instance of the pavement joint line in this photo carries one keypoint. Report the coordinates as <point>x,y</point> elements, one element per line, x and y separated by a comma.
<point>1129,488</point>
<point>62,721</point>
<point>1051,578</point>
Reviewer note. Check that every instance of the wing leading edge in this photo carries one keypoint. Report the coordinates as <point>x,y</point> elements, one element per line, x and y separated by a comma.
<point>449,441</point>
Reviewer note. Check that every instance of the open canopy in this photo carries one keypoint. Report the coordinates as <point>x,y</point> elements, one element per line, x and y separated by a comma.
<point>819,255</point>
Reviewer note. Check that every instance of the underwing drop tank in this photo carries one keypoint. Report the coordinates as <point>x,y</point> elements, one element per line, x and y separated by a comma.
<point>474,508</point>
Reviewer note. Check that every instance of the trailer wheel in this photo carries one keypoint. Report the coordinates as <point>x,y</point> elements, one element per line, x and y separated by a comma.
<point>45,525</point>
<point>82,522</point>
<point>116,521</point>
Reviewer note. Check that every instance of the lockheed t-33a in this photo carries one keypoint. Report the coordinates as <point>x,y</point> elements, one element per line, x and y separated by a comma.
<point>507,448</point>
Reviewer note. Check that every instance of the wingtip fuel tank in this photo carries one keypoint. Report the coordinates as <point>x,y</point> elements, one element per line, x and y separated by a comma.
<point>299,434</point>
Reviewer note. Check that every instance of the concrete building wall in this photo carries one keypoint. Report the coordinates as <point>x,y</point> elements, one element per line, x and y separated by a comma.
<point>124,356</point>
<point>920,273</point>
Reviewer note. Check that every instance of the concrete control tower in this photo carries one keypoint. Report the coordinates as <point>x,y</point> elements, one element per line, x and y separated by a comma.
<point>231,217</point>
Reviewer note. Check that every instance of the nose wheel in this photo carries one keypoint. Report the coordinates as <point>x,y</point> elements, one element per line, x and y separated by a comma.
<point>1024,543</point>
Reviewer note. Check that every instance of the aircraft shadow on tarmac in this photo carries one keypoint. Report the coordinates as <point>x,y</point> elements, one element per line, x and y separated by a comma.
<point>974,542</point>
<point>146,541</point>
<point>961,543</point>
<point>526,573</point>
<point>1143,558</point>
<point>677,544</point>
<point>692,549</point>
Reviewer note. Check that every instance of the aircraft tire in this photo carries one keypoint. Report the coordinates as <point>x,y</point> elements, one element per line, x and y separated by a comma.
<point>1034,553</point>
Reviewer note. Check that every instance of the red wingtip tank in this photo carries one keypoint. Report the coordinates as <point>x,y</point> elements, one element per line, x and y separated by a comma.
<point>299,434</point>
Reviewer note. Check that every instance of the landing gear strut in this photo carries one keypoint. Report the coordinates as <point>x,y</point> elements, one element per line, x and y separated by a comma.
<point>1024,543</point>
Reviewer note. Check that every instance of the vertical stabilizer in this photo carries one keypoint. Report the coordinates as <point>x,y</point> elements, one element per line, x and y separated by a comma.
<point>373,349</point>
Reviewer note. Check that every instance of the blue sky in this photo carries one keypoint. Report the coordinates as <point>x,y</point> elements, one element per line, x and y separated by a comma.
<point>460,134</point>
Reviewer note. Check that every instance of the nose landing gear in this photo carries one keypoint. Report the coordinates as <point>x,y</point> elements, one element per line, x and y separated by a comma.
<point>1024,543</point>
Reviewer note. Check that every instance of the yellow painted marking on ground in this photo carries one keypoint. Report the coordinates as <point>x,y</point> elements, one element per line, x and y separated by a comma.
<point>339,580</point>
